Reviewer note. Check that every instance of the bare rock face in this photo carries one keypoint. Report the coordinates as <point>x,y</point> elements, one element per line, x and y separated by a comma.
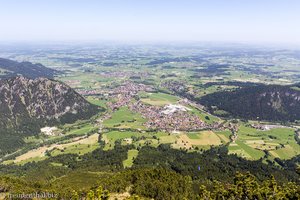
<point>28,104</point>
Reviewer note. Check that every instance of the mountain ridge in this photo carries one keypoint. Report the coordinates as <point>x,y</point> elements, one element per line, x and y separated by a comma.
<point>264,102</point>
<point>12,68</point>
<point>27,105</point>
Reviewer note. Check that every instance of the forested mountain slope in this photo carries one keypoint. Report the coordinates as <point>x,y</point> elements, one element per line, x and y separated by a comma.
<point>265,102</point>
<point>10,68</point>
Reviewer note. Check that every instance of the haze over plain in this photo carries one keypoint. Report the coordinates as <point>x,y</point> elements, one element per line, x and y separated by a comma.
<point>253,21</point>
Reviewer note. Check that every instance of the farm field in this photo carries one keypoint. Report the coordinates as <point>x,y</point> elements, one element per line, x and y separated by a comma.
<point>203,139</point>
<point>79,145</point>
<point>245,151</point>
<point>81,80</point>
<point>252,143</point>
<point>137,138</point>
<point>224,135</point>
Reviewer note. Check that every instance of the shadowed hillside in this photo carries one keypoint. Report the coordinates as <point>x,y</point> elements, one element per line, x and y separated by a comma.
<point>265,102</point>
<point>10,68</point>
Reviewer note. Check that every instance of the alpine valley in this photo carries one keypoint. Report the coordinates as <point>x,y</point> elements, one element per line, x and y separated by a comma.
<point>141,121</point>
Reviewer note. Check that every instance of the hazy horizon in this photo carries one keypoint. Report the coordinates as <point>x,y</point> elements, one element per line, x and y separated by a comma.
<point>248,21</point>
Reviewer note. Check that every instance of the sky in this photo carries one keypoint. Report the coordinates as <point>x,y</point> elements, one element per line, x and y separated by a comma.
<point>253,21</point>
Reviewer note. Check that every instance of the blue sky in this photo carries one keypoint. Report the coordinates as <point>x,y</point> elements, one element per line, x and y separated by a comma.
<point>256,21</point>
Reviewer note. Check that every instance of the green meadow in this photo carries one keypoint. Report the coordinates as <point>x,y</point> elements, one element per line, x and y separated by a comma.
<point>132,154</point>
<point>97,101</point>
<point>158,99</point>
<point>252,143</point>
<point>124,118</point>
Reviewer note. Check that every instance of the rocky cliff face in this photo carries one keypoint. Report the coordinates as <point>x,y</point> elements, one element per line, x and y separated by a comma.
<point>28,104</point>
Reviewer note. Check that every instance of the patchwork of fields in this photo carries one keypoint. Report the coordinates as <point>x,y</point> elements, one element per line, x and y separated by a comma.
<point>128,128</point>
<point>253,143</point>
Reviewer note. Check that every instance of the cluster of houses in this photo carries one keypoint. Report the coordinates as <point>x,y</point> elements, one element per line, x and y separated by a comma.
<point>169,118</point>
<point>173,117</point>
<point>123,74</point>
<point>91,92</point>
<point>265,127</point>
<point>122,95</point>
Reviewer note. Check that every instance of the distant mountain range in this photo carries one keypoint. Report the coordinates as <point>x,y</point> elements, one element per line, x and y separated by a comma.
<point>265,102</point>
<point>10,68</point>
<point>26,105</point>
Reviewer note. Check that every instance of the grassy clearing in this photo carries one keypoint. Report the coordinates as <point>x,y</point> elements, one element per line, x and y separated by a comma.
<point>148,141</point>
<point>34,159</point>
<point>151,139</point>
<point>32,155</point>
<point>79,149</point>
<point>132,154</point>
<point>236,149</point>
<point>168,139</point>
<point>85,80</point>
<point>112,136</point>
